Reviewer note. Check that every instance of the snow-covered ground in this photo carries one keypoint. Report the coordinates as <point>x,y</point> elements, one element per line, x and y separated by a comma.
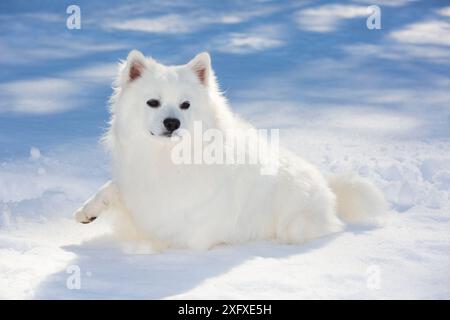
<point>345,98</point>
<point>410,253</point>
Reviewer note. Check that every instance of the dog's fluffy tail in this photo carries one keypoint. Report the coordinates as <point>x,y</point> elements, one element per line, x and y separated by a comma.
<point>357,199</point>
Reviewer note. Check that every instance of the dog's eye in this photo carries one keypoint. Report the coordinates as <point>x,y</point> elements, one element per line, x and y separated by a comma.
<point>185,105</point>
<point>153,103</point>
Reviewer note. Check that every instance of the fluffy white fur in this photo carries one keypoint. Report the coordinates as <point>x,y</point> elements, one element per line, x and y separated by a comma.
<point>199,206</point>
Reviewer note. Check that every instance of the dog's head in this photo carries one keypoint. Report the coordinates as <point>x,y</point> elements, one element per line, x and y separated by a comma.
<point>160,101</point>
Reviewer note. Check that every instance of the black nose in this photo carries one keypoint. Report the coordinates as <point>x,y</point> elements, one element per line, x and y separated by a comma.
<point>171,124</point>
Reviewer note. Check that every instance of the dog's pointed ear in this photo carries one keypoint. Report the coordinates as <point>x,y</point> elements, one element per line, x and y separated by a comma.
<point>135,66</point>
<point>201,65</point>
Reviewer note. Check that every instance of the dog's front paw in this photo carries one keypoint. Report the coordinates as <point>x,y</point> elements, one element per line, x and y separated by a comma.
<point>83,217</point>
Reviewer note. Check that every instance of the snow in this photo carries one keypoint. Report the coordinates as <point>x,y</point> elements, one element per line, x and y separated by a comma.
<point>40,240</point>
<point>375,103</point>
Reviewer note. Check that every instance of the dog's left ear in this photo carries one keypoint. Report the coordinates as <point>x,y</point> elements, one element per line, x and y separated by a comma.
<point>134,67</point>
<point>201,65</point>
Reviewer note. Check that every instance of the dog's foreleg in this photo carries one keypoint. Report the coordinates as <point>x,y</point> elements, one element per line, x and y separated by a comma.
<point>107,196</point>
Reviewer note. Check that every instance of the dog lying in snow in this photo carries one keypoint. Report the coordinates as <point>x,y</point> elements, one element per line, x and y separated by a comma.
<point>202,205</point>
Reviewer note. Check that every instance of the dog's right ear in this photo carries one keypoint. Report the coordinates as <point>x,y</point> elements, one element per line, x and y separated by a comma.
<point>134,67</point>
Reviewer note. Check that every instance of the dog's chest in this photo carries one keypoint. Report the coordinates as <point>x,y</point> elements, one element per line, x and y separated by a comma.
<point>166,199</point>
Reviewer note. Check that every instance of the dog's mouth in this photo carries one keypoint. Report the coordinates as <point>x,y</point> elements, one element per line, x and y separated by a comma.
<point>166,134</point>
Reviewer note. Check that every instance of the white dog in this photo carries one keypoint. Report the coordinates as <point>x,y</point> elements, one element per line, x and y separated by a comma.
<point>201,205</point>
